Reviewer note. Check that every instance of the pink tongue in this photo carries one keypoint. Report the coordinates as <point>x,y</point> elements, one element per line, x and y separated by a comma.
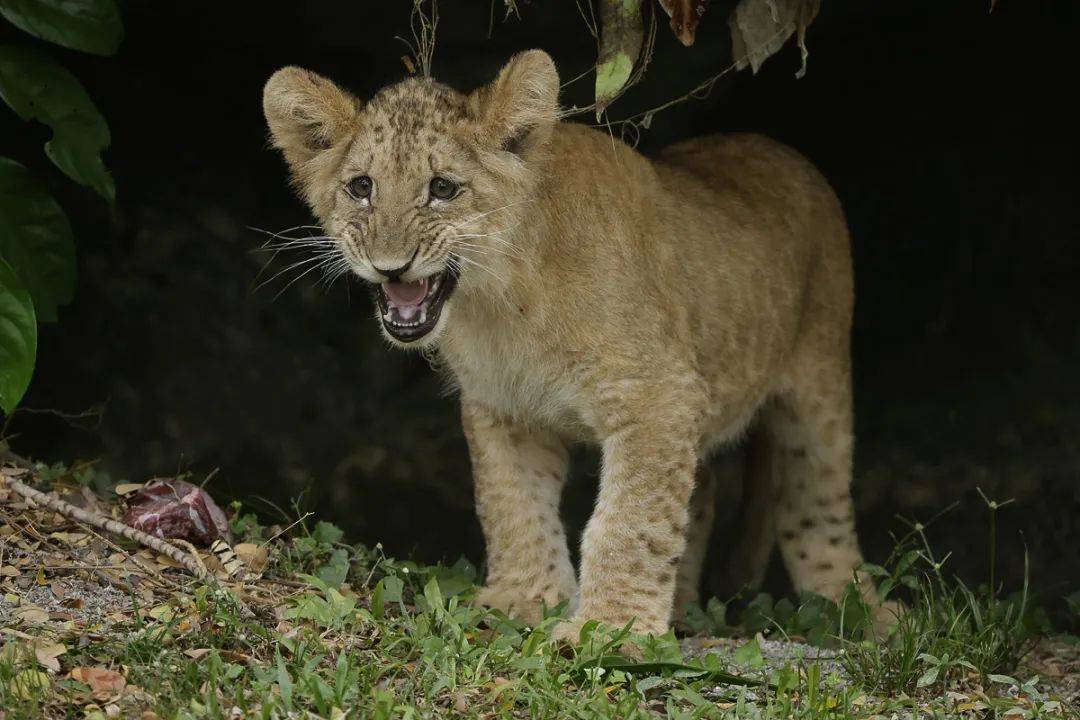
<point>406,293</point>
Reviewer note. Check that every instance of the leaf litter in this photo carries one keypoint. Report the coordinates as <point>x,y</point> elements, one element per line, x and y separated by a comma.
<point>71,599</point>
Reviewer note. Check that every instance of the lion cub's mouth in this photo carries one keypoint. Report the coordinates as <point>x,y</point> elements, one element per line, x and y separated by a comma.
<point>410,310</point>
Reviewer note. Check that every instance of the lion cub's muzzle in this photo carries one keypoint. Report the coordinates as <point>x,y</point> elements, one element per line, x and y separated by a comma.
<point>410,310</point>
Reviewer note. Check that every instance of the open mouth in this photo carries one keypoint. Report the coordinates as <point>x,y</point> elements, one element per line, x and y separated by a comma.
<point>410,310</point>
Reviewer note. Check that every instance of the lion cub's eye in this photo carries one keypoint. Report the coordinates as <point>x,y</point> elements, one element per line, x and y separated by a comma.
<point>442,188</point>
<point>359,188</point>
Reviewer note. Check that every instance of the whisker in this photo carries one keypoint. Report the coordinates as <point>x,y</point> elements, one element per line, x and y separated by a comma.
<point>286,230</point>
<point>296,244</point>
<point>306,238</point>
<point>463,243</point>
<point>322,257</point>
<point>495,236</point>
<point>293,281</point>
<point>487,251</point>
<point>333,272</point>
<point>478,216</point>
<point>481,266</point>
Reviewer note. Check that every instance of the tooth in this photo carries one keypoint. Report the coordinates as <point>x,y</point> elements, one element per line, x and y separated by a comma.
<point>423,314</point>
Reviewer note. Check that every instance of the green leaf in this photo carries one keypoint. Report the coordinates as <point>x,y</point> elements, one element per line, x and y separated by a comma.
<point>749,654</point>
<point>38,88</point>
<point>328,533</point>
<point>334,572</point>
<point>393,588</point>
<point>284,681</point>
<point>757,615</point>
<point>611,75</point>
<point>35,239</point>
<point>632,667</point>
<point>433,595</point>
<point>378,601</point>
<point>18,338</point>
<point>92,26</point>
<point>620,44</point>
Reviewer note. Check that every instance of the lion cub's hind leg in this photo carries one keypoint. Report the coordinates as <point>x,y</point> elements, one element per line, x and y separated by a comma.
<point>702,512</point>
<point>811,433</point>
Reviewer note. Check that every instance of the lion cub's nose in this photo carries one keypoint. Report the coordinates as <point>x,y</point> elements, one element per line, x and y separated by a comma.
<point>394,274</point>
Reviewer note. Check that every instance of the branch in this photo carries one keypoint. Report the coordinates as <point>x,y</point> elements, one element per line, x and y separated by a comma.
<point>109,525</point>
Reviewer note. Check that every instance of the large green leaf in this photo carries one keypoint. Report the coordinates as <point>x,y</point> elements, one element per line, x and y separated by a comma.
<point>38,88</point>
<point>92,26</point>
<point>18,338</point>
<point>36,239</point>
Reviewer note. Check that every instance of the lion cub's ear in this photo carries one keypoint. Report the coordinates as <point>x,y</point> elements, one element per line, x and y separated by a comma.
<point>306,113</point>
<point>520,107</point>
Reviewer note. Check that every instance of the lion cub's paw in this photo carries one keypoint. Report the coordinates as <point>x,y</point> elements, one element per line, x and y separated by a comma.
<point>518,604</point>
<point>568,632</point>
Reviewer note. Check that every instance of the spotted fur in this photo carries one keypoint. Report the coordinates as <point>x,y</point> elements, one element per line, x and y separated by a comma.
<point>658,308</point>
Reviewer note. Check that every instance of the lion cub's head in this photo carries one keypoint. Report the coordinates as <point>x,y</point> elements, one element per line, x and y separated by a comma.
<point>421,186</point>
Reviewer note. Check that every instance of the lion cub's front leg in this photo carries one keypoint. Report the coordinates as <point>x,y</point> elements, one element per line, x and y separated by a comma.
<point>633,544</point>
<point>519,474</point>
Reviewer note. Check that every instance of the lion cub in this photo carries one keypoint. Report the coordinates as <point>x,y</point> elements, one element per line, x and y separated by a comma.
<point>577,291</point>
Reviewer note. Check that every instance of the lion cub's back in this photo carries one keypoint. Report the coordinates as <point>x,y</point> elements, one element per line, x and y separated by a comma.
<point>757,174</point>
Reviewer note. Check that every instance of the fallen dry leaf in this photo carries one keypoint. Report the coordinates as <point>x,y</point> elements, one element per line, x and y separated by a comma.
<point>47,654</point>
<point>685,16</point>
<point>29,684</point>
<point>128,488</point>
<point>169,508</point>
<point>69,538</point>
<point>104,683</point>
<point>31,615</point>
<point>461,702</point>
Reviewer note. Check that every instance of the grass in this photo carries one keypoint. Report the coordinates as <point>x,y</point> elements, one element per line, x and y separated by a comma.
<point>356,634</point>
<point>947,630</point>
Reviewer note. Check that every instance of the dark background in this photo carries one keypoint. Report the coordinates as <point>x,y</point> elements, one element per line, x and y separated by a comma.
<point>948,132</point>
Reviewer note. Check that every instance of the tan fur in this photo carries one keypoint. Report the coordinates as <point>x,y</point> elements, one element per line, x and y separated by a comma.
<point>656,307</point>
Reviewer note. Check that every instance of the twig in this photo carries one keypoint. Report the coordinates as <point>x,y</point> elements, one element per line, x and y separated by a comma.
<point>115,582</point>
<point>152,574</point>
<point>281,532</point>
<point>108,525</point>
<point>190,561</point>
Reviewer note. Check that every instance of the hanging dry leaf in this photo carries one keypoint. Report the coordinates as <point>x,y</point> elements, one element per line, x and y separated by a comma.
<point>685,16</point>
<point>104,683</point>
<point>621,35</point>
<point>177,509</point>
<point>759,28</point>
